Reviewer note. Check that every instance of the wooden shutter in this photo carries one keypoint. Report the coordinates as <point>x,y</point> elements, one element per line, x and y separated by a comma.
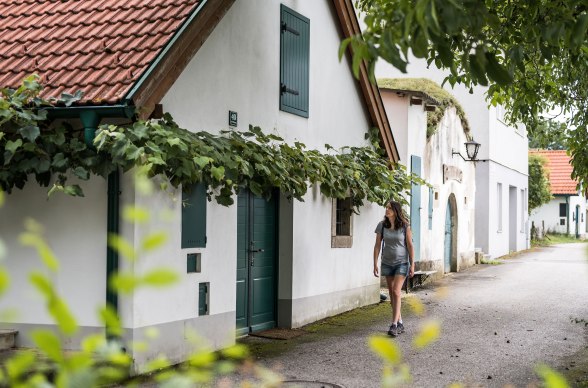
<point>294,62</point>
<point>194,217</point>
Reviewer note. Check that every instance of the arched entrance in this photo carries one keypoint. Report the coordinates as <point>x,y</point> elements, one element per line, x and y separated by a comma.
<point>450,251</point>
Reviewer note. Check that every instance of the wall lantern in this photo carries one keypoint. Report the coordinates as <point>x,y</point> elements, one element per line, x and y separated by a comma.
<point>472,148</point>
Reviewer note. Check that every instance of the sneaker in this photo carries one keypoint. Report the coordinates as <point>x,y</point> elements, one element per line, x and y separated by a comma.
<point>393,331</point>
<point>400,327</point>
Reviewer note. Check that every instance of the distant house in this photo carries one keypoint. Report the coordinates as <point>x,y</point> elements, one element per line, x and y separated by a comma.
<point>566,212</point>
<point>429,127</point>
<point>501,222</point>
<point>245,268</point>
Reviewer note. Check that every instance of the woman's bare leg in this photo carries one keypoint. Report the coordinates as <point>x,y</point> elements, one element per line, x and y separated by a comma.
<point>395,289</point>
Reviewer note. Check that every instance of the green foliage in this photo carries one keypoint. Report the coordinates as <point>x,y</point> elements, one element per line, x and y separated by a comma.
<point>433,90</point>
<point>539,187</point>
<point>549,135</point>
<point>225,163</point>
<point>532,55</point>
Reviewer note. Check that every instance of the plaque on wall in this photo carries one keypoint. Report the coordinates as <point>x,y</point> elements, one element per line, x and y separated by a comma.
<point>452,172</point>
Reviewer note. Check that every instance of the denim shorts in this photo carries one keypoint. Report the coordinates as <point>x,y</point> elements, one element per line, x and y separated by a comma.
<point>393,270</point>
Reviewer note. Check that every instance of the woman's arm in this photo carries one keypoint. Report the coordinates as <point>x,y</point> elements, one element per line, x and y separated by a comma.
<point>377,247</point>
<point>410,249</point>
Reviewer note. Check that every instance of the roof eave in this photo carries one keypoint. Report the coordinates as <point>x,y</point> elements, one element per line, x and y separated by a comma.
<point>165,69</point>
<point>371,93</point>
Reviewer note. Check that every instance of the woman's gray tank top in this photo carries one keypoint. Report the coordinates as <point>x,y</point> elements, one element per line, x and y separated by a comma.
<point>394,251</point>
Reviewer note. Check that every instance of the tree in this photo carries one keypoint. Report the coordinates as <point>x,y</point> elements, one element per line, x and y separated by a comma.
<point>539,187</point>
<point>533,55</point>
<point>549,135</point>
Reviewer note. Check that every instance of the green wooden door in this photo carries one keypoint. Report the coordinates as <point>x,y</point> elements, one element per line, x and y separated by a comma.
<point>256,263</point>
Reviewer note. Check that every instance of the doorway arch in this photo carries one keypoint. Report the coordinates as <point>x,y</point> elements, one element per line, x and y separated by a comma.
<point>450,244</point>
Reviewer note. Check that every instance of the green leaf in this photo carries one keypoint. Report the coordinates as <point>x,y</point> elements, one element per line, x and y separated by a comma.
<point>122,246</point>
<point>136,214</point>
<point>496,71</point>
<point>49,344</point>
<point>160,277</point>
<point>4,279</point>
<point>429,332</point>
<point>73,190</point>
<point>29,132</point>
<point>202,161</point>
<point>551,379</point>
<point>111,320</point>
<point>386,349</point>
<point>81,173</point>
<point>154,241</point>
<point>2,197</point>
<point>12,146</point>
<point>578,35</point>
<point>217,172</point>
<point>343,47</point>
<point>34,240</point>
<point>124,283</point>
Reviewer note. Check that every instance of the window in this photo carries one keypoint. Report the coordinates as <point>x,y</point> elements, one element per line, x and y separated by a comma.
<point>203,298</point>
<point>562,221</point>
<point>499,205</point>
<point>194,217</point>
<point>294,62</point>
<point>342,223</point>
<point>563,209</point>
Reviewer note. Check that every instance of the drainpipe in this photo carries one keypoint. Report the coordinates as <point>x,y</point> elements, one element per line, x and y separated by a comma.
<point>90,118</point>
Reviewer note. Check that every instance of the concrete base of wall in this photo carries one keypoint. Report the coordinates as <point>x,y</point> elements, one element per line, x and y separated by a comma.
<point>299,312</point>
<point>176,340</point>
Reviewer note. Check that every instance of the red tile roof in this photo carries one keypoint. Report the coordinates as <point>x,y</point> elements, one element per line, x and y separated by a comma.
<point>100,47</point>
<point>560,171</point>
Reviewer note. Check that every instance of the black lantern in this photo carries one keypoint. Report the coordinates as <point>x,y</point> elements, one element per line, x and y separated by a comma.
<point>472,148</point>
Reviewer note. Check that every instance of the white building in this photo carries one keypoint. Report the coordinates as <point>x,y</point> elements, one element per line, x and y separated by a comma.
<point>501,224</point>
<point>566,212</point>
<point>442,216</point>
<point>247,267</point>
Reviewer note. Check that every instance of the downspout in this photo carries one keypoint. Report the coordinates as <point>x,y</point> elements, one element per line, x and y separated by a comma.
<point>90,120</point>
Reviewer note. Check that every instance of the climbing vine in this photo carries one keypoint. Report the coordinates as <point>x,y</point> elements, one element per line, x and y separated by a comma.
<point>32,145</point>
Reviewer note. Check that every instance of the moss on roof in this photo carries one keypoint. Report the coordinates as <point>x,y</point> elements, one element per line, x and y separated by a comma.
<point>432,90</point>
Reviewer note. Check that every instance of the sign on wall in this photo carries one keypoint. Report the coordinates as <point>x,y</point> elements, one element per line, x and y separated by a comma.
<point>452,172</point>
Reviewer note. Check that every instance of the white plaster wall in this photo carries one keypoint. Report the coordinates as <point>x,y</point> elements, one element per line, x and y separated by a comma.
<point>75,229</point>
<point>547,216</point>
<point>397,111</point>
<point>438,152</point>
<point>493,241</point>
<point>238,69</point>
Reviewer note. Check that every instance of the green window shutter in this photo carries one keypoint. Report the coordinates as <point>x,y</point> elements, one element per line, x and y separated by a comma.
<point>194,217</point>
<point>294,62</point>
<point>203,298</point>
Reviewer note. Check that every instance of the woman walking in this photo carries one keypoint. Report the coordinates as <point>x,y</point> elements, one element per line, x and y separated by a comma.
<point>397,258</point>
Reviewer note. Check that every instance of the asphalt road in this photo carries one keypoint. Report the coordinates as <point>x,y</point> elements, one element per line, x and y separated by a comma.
<point>498,322</point>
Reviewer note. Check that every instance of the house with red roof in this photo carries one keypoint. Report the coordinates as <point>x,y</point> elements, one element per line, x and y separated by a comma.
<point>213,65</point>
<point>566,212</point>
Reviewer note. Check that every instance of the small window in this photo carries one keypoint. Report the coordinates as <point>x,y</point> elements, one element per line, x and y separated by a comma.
<point>562,221</point>
<point>194,217</point>
<point>193,262</point>
<point>294,62</point>
<point>203,298</point>
<point>563,209</point>
<point>342,223</point>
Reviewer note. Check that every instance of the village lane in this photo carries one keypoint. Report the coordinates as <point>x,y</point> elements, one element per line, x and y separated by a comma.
<point>498,322</point>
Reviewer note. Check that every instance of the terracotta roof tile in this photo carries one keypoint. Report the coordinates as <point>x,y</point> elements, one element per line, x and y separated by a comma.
<point>100,47</point>
<point>560,171</point>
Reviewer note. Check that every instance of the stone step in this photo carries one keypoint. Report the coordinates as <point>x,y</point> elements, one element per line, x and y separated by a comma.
<point>7,339</point>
